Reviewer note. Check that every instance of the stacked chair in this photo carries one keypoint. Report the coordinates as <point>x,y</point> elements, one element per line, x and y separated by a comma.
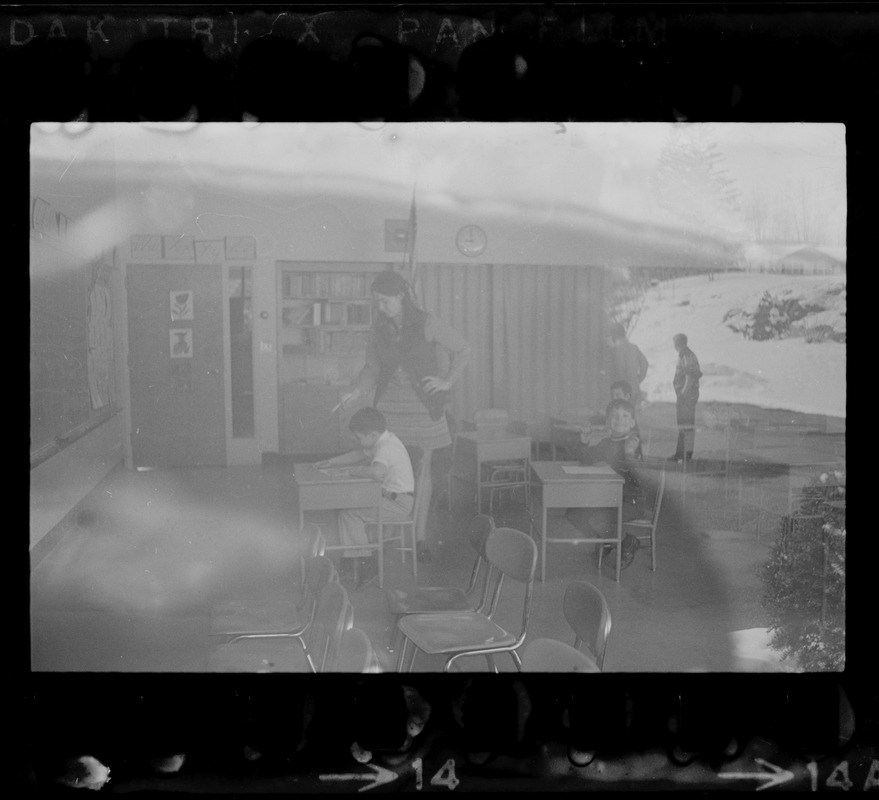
<point>510,554</point>
<point>588,615</point>
<point>289,633</point>
<point>445,599</point>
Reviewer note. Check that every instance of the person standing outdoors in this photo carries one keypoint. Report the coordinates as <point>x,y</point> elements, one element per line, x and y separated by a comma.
<point>413,360</point>
<point>629,363</point>
<point>686,386</point>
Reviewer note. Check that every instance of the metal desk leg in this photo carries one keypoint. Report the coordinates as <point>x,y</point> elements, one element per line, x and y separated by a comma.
<point>543,546</point>
<point>619,541</point>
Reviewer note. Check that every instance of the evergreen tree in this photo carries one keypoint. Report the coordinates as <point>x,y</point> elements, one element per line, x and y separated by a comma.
<point>692,183</point>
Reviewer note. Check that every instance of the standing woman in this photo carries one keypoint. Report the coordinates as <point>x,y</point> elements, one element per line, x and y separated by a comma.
<point>412,361</point>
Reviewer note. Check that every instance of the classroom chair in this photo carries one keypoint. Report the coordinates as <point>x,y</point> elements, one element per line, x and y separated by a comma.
<point>511,554</point>
<point>644,528</point>
<point>284,616</point>
<point>356,653</point>
<point>445,599</point>
<point>551,655</point>
<point>396,531</point>
<point>588,615</point>
<point>318,644</point>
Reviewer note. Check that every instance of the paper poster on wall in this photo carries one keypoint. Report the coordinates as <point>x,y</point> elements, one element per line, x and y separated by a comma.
<point>181,342</point>
<point>180,248</point>
<point>181,306</point>
<point>146,246</point>
<point>240,247</point>
<point>210,251</point>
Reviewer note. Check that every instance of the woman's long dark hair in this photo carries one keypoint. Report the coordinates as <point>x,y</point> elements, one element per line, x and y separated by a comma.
<point>393,284</point>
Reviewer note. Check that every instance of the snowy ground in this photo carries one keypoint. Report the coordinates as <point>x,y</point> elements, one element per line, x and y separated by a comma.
<point>787,374</point>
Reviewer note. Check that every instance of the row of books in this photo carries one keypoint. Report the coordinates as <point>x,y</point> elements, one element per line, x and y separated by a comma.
<point>335,342</point>
<point>324,313</point>
<point>325,284</point>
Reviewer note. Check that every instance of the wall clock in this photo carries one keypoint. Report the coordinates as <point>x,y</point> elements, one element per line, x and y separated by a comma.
<point>471,240</point>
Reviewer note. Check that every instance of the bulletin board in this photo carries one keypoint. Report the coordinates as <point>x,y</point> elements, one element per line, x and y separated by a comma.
<point>72,375</point>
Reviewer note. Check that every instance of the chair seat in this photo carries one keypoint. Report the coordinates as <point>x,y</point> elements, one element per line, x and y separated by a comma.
<point>259,655</point>
<point>270,617</point>
<point>452,633</point>
<point>550,655</point>
<point>427,599</point>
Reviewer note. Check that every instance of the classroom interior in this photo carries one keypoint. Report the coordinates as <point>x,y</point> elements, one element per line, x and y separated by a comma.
<point>195,318</point>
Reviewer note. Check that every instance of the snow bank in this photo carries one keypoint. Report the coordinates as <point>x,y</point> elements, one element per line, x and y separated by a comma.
<point>794,374</point>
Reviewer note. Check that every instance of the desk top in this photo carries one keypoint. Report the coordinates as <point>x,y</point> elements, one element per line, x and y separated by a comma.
<point>491,436</point>
<point>554,471</point>
<point>306,473</point>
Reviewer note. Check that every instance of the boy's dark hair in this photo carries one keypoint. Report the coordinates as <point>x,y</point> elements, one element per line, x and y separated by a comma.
<point>625,386</point>
<point>624,404</point>
<point>368,420</point>
<point>680,338</point>
<point>617,331</point>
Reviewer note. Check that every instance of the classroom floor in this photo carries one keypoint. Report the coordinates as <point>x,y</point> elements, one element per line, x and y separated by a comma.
<point>131,587</point>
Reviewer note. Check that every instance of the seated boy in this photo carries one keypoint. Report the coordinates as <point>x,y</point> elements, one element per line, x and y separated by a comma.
<point>384,458</point>
<point>622,390</point>
<point>619,450</point>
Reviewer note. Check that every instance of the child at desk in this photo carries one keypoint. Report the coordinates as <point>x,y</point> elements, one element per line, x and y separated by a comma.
<point>619,450</point>
<point>382,457</point>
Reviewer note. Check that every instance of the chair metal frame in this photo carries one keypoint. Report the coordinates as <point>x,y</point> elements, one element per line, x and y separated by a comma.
<point>356,653</point>
<point>319,572</point>
<point>649,523</point>
<point>398,528</point>
<point>552,655</point>
<point>439,599</point>
<point>333,614</point>
<point>494,476</point>
<point>501,476</point>
<point>594,633</point>
<point>503,547</point>
<point>379,544</point>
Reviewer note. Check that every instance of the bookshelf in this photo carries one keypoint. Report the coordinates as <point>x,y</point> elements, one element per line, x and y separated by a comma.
<point>324,317</point>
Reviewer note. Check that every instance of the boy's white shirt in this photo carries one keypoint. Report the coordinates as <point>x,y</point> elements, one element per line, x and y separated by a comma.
<point>391,452</point>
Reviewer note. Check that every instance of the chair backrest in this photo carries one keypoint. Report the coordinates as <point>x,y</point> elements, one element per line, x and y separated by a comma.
<point>657,503</point>
<point>315,543</point>
<point>510,553</point>
<point>587,612</point>
<point>325,633</point>
<point>480,527</point>
<point>356,653</point>
<point>517,428</point>
<point>551,655</point>
<point>491,416</point>
<point>419,467</point>
<point>495,420</point>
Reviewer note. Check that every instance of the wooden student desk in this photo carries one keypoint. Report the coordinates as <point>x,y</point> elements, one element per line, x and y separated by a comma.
<point>321,492</point>
<point>472,449</point>
<point>601,487</point>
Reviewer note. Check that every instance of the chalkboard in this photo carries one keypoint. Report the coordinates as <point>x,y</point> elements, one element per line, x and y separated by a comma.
<point>71,366</point>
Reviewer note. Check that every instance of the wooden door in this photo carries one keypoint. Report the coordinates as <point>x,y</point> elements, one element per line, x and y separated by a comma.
<point>175,360</point>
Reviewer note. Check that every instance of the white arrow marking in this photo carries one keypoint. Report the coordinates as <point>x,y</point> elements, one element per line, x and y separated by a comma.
<point>379,776</point>
<point>777,777</point>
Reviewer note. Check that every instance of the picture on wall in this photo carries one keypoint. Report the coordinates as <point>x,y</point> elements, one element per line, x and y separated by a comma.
<point>145,246</point>
<point>181,342</point>
<point>209,251</point>
<point>240,247</point>
<point>180,248</point>
<point>181,306</point>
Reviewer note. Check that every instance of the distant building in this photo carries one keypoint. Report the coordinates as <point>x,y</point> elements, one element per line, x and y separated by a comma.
<point>793,258</point>
<point>811,260</point>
